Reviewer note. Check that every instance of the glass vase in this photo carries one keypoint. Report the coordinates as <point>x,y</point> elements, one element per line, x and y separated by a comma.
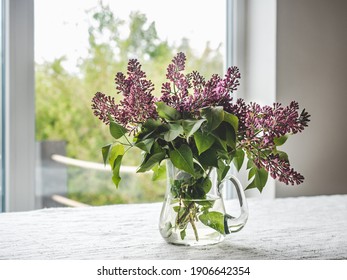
<point>193,211</point>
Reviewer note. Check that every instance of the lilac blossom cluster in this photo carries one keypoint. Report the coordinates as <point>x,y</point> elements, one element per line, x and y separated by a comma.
<point>280,169</point>
<point>263,125</point>
<point>138,103</point>
<point>104,106</point>
<point>259,126</point>
<point>214,92</point>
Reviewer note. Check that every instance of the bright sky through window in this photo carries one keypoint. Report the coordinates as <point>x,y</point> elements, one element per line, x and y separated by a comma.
<point>61,26</point>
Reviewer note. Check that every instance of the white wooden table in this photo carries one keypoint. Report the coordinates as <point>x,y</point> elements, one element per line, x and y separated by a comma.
<point>291,228</point>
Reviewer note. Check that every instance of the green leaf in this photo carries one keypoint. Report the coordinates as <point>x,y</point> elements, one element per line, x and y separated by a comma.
<point>260,179</point>
<point>206,204</point>
<point>145,144</point>
<point>213,220</point>
<point>221,131</point>
<point>250,164</point>
<point>222,144</point>
<point>282,155</point>
<point>116,168</point>
<point>166,231</point>
<point>174,131</point>
<point>151,125</point>
<point>214,116</point>
<point>159,172</point>
<point>222,171</point>
<point>206,185</point>
<point>148,130</point>
<point>238,159</point>
<point>182,158</point>
<point>183,234</point>
<point>224,155</point>
<point>203,141</point>
<point>209,158</point>
<point>156,148</point>
<point>117,131</point>
<point>167,112</point>
<point>280,140</point>
<point>105,152</point>
<point>225,135</point>
<point>115,156</point>
<point>116,150</point>
<point>232,120</point>
<point>191,126</point>
<point>150,161</point>
<point>251,173</point>
<point>231,137</point>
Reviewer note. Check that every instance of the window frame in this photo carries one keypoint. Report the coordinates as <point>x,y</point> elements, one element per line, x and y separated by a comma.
<point>2,156</point>
<point>19,105</point>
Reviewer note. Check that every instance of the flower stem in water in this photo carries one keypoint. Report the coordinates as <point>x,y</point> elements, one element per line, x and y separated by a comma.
<point>194,227</point>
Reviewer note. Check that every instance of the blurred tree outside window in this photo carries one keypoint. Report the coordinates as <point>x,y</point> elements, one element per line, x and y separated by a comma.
<point>63,98</point>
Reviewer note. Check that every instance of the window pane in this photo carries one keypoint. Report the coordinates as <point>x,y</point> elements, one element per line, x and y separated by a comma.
<point>79,47</point>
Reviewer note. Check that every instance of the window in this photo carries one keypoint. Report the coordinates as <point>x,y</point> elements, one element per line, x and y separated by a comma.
<point>21,172</point>
<point>79,47</point>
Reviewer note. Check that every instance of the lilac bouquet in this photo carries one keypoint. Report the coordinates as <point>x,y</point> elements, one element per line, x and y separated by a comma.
<point>197,124</point>
<point>201,130</point>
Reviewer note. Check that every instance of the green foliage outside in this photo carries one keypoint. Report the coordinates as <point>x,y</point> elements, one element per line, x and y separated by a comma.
<point>63,100</point>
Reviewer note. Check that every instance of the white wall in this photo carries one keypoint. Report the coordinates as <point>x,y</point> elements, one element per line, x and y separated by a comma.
<point>297,50</point>
<point>312,69</point>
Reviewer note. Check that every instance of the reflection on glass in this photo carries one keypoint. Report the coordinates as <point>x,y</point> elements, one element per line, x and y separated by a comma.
<point>78,52</point>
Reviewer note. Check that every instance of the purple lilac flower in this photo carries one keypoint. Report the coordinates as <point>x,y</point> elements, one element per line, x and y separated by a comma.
<point>104,106</point>
<point>240,110</point>
<point>215,92</point>
<point>176,95</point>
<point>280,169</point>
<point>138,103</point>
<point>262,126</point>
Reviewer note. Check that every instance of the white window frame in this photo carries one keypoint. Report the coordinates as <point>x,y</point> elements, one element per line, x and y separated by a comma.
<point>2,164</point>
<point>19,106</point>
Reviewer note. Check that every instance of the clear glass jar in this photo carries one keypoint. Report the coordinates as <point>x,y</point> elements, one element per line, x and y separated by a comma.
<point>193,211</point>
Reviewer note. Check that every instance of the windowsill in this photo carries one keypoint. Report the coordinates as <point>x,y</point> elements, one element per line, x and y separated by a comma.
<point>290,228</point>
